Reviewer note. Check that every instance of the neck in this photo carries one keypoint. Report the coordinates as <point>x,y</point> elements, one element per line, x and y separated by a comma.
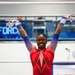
<point>41,49</point>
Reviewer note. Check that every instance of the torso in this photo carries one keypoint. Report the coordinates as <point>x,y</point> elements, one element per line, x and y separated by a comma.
<point>42,61</point>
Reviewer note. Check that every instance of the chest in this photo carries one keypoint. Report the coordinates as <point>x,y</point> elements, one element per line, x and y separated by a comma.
<point>42,57</point>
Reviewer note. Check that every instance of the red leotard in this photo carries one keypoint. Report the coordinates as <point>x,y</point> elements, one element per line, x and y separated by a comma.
<point>42,59</point>
<point>46,67</point>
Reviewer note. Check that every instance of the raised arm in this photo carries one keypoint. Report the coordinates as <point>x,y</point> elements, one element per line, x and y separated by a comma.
<point>22,32</point>
<point>24,35</point>
<point>60,26</point>
<point>56,34</point>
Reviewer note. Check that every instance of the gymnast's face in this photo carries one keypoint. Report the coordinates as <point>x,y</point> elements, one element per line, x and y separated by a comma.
<point>41,41</point>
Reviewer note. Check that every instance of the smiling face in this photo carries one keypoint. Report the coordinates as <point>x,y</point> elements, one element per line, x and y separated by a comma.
<point>41,41</point>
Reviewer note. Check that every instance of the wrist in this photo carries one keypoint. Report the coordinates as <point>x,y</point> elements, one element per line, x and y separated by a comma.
<point>17,24</point>
<point>63,20</point>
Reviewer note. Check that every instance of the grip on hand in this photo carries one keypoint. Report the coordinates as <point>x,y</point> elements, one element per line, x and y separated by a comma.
<point>17,24</point>
<point>63,20</point>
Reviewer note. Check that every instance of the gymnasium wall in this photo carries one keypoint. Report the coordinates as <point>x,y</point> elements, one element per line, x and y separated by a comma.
<point>26,10</point>
<point>17,51</point>
<point>15,59</point>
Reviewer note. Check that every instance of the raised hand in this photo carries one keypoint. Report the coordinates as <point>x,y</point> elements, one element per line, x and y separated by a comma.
<point>70,17</point>
<point>11,23</point>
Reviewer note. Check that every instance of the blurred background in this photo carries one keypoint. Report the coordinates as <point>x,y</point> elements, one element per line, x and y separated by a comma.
<point>36,18</point>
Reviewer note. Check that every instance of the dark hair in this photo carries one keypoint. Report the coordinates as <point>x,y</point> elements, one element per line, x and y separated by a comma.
<point>43,35</point>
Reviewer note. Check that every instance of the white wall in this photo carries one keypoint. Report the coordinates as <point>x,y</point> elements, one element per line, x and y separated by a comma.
<point>18,51</point>
<point>62,54</point>
<point>25,10</point>
<point>15,60</point>
<point>64,69</point>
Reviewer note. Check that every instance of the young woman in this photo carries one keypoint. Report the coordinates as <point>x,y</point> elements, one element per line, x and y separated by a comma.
<point>41,57</point>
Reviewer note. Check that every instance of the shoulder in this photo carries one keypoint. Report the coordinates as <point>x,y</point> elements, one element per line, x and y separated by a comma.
<point>33,49</point>
<point>49,48</point>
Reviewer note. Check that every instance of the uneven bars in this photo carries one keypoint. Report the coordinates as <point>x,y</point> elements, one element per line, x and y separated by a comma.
<point>38,3</point>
